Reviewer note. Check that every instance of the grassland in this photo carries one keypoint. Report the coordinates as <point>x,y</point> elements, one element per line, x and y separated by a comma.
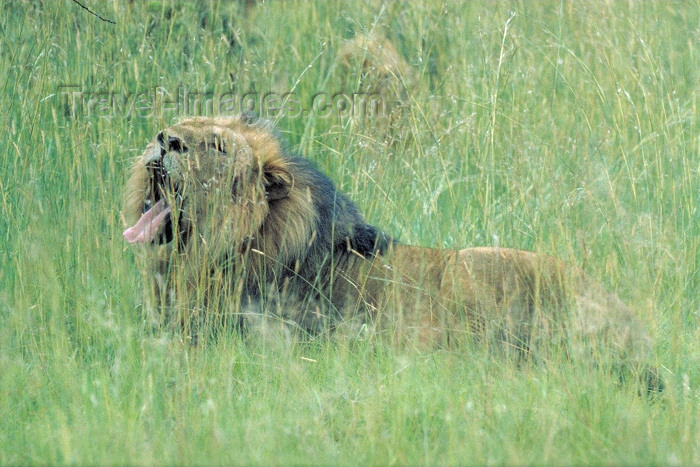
<point>568,128</point>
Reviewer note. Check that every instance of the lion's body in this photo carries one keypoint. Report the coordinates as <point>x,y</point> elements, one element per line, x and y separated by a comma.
<point>523,300</point>
<point>250,229</point>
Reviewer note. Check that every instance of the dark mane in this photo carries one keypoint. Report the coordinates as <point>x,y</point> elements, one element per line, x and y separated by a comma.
<point>339,223</point>
<point>339,232</point>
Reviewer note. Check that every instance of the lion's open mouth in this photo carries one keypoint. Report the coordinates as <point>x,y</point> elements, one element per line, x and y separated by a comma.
<point>156,223</point>
<point>151,223</point>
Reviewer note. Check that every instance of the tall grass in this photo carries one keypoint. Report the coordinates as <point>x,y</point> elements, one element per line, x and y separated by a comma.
<point>568,128</point>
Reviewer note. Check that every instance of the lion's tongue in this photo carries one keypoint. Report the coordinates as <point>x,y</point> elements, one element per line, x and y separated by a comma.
<point>145,230</point>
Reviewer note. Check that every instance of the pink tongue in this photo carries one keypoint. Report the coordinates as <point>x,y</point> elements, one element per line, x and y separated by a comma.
<point>147,227</point>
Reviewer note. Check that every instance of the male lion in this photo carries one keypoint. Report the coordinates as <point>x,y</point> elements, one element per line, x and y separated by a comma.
<point>231,225</point>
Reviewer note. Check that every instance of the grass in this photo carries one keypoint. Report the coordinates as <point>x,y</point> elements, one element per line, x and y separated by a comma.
<point>567,128</point>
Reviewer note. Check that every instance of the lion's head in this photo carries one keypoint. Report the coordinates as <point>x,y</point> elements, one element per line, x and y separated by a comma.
<point>213,182</point>
<point>381,68</point>
<point>220,185</point>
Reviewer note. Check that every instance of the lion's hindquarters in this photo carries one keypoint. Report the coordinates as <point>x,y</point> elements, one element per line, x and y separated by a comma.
<point>537,305</point>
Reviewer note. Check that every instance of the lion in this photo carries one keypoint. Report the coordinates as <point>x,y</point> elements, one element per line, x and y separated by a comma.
<point>370,64</point>
<point>373,62</point>
<point>229,225</point>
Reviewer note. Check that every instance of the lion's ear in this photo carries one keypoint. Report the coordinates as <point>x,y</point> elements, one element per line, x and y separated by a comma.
<point>278,181</point>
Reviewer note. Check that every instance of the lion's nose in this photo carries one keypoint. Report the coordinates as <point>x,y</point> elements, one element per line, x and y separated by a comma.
<point>153,156</point>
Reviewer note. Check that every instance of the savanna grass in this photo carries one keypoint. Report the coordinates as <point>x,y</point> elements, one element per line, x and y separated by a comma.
<point>565,128</point>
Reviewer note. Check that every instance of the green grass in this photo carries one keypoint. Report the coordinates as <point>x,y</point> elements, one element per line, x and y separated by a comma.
<point>568,128</point>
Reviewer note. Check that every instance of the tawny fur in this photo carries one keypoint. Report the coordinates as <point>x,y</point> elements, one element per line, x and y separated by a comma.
<point>256,229</point>
<point>370,64</point>
<point>378,63</point>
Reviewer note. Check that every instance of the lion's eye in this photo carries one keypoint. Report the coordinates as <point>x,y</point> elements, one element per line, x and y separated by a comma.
<point>176,144</point>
